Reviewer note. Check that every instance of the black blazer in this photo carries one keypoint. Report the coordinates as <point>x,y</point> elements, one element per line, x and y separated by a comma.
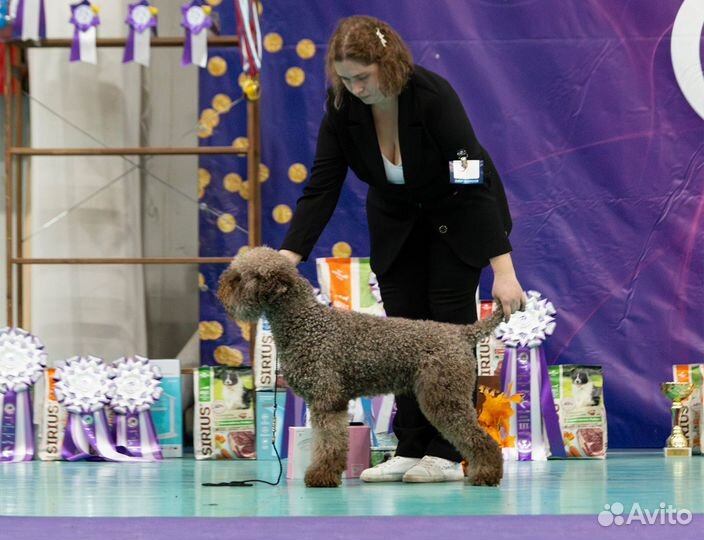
<point>433,127</point>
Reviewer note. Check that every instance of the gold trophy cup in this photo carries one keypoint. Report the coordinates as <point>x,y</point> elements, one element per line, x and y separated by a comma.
<point>677,443</point>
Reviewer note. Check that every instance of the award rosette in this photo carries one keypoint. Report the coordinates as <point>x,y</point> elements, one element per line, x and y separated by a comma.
<point>85,21</point>
<point>84,385</point>
<point>30,20</point>
<point>196,20</point>
<point>22,362</point>
<point>525,369</point>
<point>142,21</point>
<point>137,388</point>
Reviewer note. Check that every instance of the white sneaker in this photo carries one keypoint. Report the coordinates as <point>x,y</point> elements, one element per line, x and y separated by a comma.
<point>435,469</point>
<point>389,471</point>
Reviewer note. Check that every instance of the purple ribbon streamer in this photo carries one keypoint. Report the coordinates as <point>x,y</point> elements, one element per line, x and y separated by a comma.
<point>289,420</point>
<point>73,449</point>
<point>129,48</point>
<point>524,441</point>
<point>131,438</point>
<point>19,20</point>
<point>75,47</point>
<point>88,437</point>
<point>42,20</point>
<point>547,402</point>
<point>16,413</point>
<point>82,423</point>
<point>187,58</point>
<point>9,429</point>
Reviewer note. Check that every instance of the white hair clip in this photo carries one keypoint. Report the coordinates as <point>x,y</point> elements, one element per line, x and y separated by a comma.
<point>381,37</point>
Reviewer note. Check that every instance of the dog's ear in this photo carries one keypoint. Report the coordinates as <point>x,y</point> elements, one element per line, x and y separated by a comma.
<point>229,279</point>
<point>274,283</point>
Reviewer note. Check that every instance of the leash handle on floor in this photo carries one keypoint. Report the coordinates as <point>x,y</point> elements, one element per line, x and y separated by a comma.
<point>234,483</point>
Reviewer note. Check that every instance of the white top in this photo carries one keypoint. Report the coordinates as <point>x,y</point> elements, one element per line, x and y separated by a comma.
<point>394,173</point>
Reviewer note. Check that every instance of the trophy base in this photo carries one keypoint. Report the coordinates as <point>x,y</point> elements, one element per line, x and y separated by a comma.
<point>678,452</point>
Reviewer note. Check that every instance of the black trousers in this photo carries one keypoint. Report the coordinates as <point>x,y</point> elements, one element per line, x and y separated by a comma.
<point>427,281</point>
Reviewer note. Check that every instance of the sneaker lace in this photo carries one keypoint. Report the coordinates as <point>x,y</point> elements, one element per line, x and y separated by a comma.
<point>441,463</point>
<point>392,461</point>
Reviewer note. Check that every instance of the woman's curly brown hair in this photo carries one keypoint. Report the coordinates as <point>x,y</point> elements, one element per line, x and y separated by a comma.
<point>361,39</point>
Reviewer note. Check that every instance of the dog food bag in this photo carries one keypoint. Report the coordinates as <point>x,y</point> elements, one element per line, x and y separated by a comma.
<point>692,406</point>
<point>166,412</point>
<point>265,358</point>
<point>490,355</point>
<point>265,423</point>
<point>50,418</point>
<point>224,413</point>
<point>579,400</point>
<point>349,283</point>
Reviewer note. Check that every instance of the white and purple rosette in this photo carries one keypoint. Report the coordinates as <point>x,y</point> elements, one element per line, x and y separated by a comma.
<point>196,20</point>
<point>85,21</point>
<point>142,22</point>
<point>524,364</point>
<point>30,20</point>
<point>22,362</point>
<point>84,385</point>
<point>137,388</point>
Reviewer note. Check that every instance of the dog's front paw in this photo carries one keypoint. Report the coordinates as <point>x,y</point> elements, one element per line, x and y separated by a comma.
<point>485,475</point>
<point>486,466</point>
<point>320,478</point>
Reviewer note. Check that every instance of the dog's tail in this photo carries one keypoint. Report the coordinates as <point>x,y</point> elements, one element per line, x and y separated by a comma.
<point>481,329</point>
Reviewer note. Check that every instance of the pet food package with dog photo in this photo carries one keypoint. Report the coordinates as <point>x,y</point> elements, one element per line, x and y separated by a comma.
<point>579,400</point>
<point>691,417</point>
<point>348,283</point>
<point>224,413</point>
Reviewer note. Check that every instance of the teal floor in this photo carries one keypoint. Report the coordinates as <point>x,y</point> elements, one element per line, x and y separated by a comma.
<point>173,488</point>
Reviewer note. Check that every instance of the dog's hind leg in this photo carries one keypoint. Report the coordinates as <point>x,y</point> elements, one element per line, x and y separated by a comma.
<point>453,415</point>
<point>330,442</point>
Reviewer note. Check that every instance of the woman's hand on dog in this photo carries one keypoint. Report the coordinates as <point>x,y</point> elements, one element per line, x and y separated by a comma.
<point>295,258</point>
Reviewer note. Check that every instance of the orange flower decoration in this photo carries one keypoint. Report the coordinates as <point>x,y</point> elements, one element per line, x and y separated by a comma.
<point>495,414</point>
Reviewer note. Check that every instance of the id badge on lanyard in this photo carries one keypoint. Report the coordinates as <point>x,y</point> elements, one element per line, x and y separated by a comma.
<point>466,171</point>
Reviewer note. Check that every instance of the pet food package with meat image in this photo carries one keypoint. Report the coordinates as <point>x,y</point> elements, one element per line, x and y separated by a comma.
<point>691,417</point>
<point>490,355</point>
<point>579,400</point>
<point>224,413</point>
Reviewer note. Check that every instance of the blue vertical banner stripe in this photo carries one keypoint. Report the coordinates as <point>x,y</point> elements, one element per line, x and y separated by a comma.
<point>222,193</point>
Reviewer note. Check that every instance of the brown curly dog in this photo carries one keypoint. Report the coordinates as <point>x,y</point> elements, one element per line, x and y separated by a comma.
<point>329,356</point>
